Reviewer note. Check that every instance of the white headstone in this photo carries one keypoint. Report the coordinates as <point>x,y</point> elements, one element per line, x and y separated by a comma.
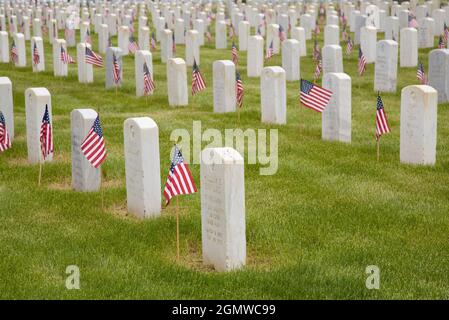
<point>360,21</point>
<point>192,48</point>
<point>40,66</point>
<point>273,37</point>
<point>426,33</point>
<point>85,70</point>
<point>35,101</point>
<point>291,59</point>
<point>85,177</point>
<point>142,57</point>
<point>4,47</point>
<point>299,34</point>
<point>409,47</point>
<point>166,45</point>
<point>331,35</point>
<point>386,66</point>
<point>244,29</point>
<point>273,95</point>
<point>418,125</point>
<point>123,39</point>
<point>224,86</point>
<point>19,41</point>
<point>336,118</point>
<point>144,38</point>
<point>223,208</point>
<point>439,73</point>
<point>179,32</point>
<point>392,28</point>
<point>142,163</point>
<point>220,35</point>
<point>6,104</point>
<point>103,38</point>
<point>368,41</point>
<point>60,69</point>
<point>110,52</point>
<point>255,56</point>
<point>177,82</point>
<point>332,59</point>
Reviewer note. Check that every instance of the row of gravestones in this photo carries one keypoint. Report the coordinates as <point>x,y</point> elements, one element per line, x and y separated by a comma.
<point>221,171</point>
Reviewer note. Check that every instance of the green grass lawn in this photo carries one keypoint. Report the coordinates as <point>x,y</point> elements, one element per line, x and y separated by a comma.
<point>330,211</point>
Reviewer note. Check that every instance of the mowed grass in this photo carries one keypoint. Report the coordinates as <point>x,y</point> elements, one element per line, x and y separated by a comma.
<point>312,228</point>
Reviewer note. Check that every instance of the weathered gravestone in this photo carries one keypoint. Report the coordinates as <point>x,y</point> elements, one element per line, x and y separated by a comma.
<point>386,66</point>
<point>291,59</point>
<point>336,118</point>
<point>409,47</point>
<point>110,53</point>
<point>273,95</point>
<point>6,104</point>
<point>418,125</point>
<point>142,164</point>
<point>142,57</point>
<point>85,177</point>
<point>223,209</point>
<point>35,101</point>
<point>224,86</point>
<point>425,33</point>
<point>177,82</point>
<point>439,73</point>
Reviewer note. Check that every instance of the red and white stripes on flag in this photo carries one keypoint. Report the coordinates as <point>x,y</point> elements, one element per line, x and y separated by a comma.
<point>361,63</point>
<point>14,54</point>
<point>93,58</point>
<point>5,140</point>
<point>180,180</point>
<point>198,83</point>
<point>239,89</point>
<point>36,57</point>
<point>421,75</point>
<point>382,126</point>
<point>235,54</point>
<point>148,83</point>
<point>314,96</point>
<point>65,56</point>
<point>132,45</point>
<point>93,146</point>
<point>46,135</point>
<point>318,68</point>
<point>115,69</point>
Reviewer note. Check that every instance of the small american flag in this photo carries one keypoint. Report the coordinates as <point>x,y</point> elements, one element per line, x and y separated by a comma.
<point>5,141</point>
<point>381,119</point>
<point>239,89</point>
<point>318,68</point>
<point>65,56</point>
<point>412,23</point>
<point>345,35</point>
<point>132,45</point>
<point>148,83</point>
<point>234,52</point>
<point>93,146</point>
<point>180,180</point>
<point>131,27</point>
<point>115,69</point>
<point>349,46</point>
<point>281,33</point>
<point>446,33</point>
<point>270,51</point>
<point>93,58</point>
<point>88,39</point>
<point>362,63</point>
<point>441,44</point>
<point>14,55</point>
<point>314,96</point>
<point>208,35</point>
<point>153,42</point>
<point>46,135</point>
<point>198,83</point>
<point>36,57</point>
<point>420,74</point>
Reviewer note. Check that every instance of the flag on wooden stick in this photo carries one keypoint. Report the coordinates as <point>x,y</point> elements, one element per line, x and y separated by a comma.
<point>239,89</point>
<point>148,83</point>
<point>115,69</point>
<point>180,180</point>
<point>198,83</point>
<point>234,52</point>
<point>361,63</point>
<point>36,57</point>
<point>93,58</point>
<point>420,74</point>
<point>382,126</point>
<point>14,54</point>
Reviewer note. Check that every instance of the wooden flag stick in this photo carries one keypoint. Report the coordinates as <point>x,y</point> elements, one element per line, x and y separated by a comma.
<point>177,229</point>
<point>238,115</point>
